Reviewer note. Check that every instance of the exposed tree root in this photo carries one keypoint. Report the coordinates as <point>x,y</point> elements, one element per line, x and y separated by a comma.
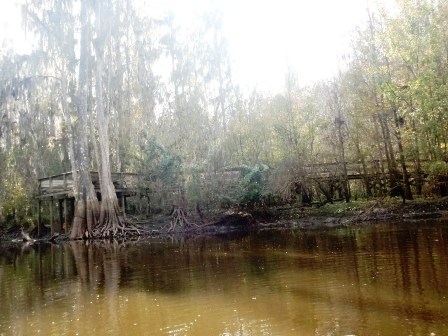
<point>109,226</point>
<point>179,221</point>
<point>116,228</point>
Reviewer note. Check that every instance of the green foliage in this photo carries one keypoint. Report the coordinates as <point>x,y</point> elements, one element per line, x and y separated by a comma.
<point>252,185</point>
<point>438,178</point>
<point>159,164</point>
<point>438,168</point>
<point>390,104</point>
<point>193,184</point>
<point>15,201</point>
<point>161,177</point>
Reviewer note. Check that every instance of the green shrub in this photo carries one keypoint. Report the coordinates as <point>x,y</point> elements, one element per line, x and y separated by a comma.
<point>252,185</point>
<point>15,202</point>
<point>438,168</point>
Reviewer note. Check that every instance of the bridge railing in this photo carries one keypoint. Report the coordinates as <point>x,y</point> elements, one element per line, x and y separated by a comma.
<point>63,183</point>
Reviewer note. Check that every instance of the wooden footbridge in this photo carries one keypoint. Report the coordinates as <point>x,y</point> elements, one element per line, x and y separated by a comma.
<point>59,188</point>
<point>355,171</point>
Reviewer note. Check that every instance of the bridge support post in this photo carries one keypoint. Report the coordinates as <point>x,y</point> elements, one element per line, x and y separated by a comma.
<point>123,204</point>
<point>39,220</point>
<point>51,216</point>
<point>65,216</point>
<point>60,225</point>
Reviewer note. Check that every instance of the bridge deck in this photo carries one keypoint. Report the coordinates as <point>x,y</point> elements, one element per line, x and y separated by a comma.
<point>325,171</point>
<point>61,186</point>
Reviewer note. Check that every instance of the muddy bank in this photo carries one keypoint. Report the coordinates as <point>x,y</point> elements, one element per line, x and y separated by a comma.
<point>227,223</point>
<point>347,215</point>
<point>349,219</point>
<point>340,214</point>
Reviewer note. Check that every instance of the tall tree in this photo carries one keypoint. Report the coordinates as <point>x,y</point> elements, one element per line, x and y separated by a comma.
<point>86,206</point>
<point>110,222</point>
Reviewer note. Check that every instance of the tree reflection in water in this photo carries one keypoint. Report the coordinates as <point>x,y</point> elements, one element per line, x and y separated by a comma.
<point>381,279</point>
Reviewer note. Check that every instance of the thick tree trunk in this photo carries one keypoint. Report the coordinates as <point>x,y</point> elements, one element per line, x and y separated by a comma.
<point>86,214</point>
<point>110,222</point>
<point>86,206</point>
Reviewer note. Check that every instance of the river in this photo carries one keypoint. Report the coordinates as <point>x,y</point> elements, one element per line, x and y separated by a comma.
<point>375,279</point>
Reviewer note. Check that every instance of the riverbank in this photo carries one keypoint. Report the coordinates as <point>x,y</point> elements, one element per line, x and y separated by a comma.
<point>290,217</point>
<point>353,213</point>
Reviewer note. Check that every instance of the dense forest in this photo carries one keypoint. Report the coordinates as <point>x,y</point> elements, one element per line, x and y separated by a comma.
<point>91,97</point>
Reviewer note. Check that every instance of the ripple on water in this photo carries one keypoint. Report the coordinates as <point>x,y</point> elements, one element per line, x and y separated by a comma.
<point>364,281</point>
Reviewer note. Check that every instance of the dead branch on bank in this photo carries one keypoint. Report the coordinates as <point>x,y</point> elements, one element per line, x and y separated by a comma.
<point>26,237</point>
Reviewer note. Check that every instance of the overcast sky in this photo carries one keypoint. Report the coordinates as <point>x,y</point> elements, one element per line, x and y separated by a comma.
<point>307,36</point>
<point>265,36</point>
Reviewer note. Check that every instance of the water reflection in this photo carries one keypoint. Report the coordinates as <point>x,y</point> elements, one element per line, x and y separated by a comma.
<point>381,279</point>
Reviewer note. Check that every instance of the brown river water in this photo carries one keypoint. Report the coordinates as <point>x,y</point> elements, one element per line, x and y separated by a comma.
<point>378,279</point>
